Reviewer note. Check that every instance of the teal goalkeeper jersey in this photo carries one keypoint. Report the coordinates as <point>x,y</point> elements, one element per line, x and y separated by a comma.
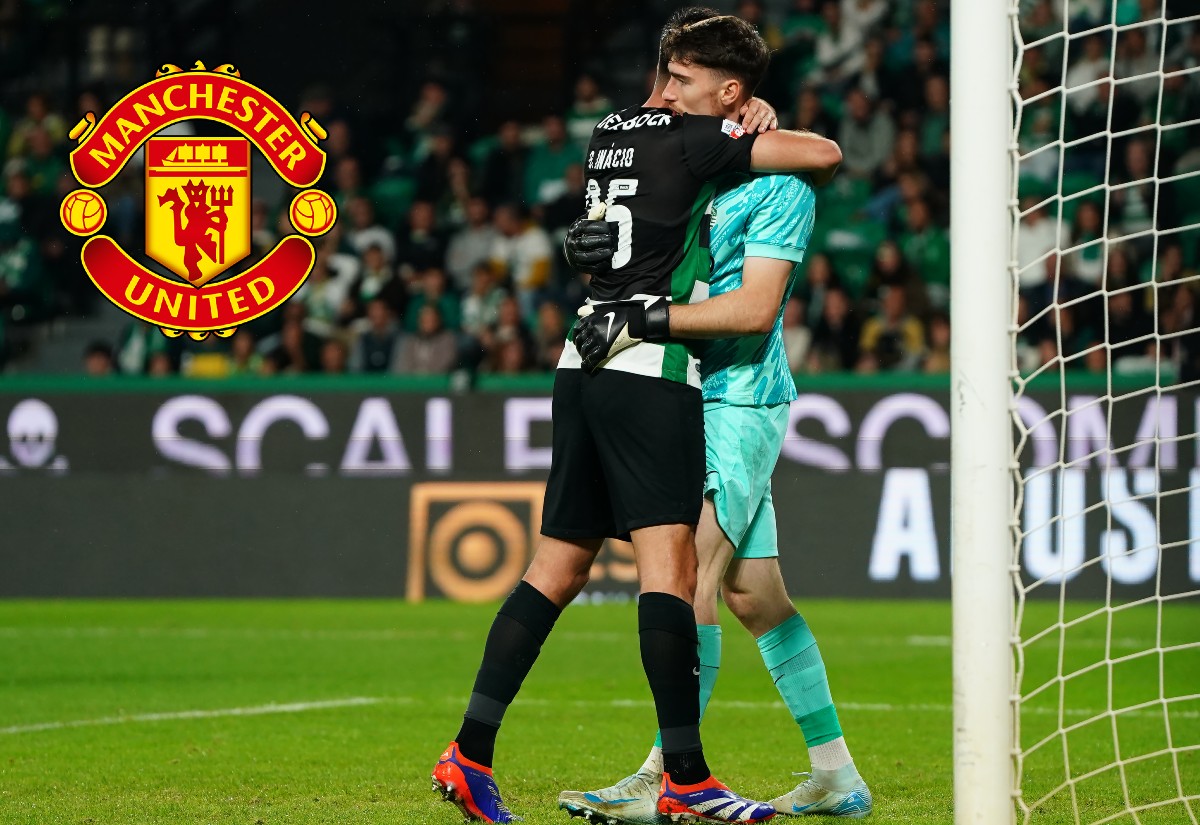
<point>766,216</point>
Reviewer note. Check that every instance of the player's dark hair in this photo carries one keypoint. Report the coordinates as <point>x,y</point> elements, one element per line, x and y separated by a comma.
<point>728,45</point>
<point>678,19</point>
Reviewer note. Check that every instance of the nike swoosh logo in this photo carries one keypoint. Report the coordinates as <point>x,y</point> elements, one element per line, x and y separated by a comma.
<point>591,797</point>
<point>611,316</point>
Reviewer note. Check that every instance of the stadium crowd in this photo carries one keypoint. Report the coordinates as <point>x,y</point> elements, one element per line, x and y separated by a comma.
<point>446,253</point>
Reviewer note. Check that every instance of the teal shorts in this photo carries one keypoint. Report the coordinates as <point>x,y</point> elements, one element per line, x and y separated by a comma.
<point>742,445</point>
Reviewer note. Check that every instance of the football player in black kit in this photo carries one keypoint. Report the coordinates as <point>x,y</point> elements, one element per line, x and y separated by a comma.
<point>628,443</point>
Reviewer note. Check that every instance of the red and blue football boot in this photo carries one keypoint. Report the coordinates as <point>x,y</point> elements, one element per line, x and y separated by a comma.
<point>709,801</point>
<point>471,787</point>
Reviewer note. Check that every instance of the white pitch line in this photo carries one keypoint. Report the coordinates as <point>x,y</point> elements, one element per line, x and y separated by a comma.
<point>258,710</point>
<point>357,701</point>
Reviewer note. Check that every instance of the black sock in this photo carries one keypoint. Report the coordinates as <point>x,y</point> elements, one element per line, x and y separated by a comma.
<point>671,658</point>
<point>518,631</point>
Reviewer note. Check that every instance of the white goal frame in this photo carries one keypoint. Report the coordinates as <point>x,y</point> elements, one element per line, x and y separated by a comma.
<point>981,251</point>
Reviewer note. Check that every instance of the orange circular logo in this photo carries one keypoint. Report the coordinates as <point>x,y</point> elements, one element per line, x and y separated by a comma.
<point>313,212</point>
<point>83,212</point>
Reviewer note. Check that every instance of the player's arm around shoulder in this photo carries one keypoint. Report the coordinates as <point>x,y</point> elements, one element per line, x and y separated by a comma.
<point>785,150</point>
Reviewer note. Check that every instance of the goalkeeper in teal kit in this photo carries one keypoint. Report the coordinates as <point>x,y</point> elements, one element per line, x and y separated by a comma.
<point>760,227</point>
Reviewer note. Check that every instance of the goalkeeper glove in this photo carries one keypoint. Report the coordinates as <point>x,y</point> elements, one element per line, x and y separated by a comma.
<point>605,330</point>
<point>590,245</point>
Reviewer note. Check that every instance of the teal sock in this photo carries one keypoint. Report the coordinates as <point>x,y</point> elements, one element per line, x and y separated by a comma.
<point>791,655</point>
<point>710,663</point>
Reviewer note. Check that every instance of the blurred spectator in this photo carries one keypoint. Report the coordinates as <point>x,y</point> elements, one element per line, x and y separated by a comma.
<point>551,336</point>
<point>510,358</point>
<point>546,168</point>
<point>1038,236</point>
<point>839,54</point>
<point>504,168</point>
<point>334,356</point>
<point>1091,67</point>
<point>1134,205</point>
<point>347,181</point>
<point>587,109</point>
<point>797,338</point>
<point>561,212</point>
<point>431,350</point>
<point>911,75</point>
<point>892,339</point>
<point>1134,59</point>
<point>363,230</point>
<point>470,246</point>
<point>378,346</point>
<point>323,295</point>
<point>431,286</point>
<point>297,350</point>
<point>873,79</point>
<point>889,269</point>
<point>835,345</point>
<point>819,278</point>
<point>262,237</point>
<point>521,253</point>
<point>935,120</point>
<point>428,112</point>
<point>480,306</point>
<point>433,175</point>
<point>137,343</point>
<point>1128,321</point>
<point>1087,262</point>
<point>865,136</point>
<point>21,209</point>
<point>864,15</point>
<point>419,246</point>
<point>24,294</point>
<point>42,164</point>
<point>927,248</point>
<point>812,115</point>
<point>508,329</point>
<point>38,117</point>
<point>937,355</point>
<point>160,365</point>
<point>375,280</point>
<point>452,206</point>
<point>1063,323</point>
<point>244,358</point>
<point>98,359</point>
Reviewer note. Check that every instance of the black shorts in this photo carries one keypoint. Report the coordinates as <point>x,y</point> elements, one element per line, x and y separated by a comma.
<point>628,453</point>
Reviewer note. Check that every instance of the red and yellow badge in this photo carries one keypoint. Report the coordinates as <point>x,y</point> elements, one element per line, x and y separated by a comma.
<point>197,200</point>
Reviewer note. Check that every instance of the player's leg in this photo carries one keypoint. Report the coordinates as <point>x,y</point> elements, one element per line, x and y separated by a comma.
<point>653,456</point>
<point>575,515</point>
<point>633,799</point>
<point>755,592</point>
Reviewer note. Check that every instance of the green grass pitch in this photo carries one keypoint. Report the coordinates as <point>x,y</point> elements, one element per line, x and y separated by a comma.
<point>335,712</point>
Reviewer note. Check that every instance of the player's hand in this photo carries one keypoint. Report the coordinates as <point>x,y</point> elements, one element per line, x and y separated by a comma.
<point>758,116</point>
<point>603,331</point>
<point>590,245</point>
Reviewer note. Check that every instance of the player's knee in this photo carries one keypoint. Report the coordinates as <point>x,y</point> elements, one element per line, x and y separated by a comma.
<point>744,604</point>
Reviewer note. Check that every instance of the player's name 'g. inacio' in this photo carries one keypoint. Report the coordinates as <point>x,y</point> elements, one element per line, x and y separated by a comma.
<point>610,158</point>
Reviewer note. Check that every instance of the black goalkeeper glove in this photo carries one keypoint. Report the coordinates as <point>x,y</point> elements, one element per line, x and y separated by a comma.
<point>590,245</point>
<point>606,329</point>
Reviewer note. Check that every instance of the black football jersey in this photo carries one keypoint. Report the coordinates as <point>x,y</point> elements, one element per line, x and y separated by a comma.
<point>655,170</point>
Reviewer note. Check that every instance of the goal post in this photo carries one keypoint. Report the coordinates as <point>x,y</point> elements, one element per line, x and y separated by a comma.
<point>1075,411</point>
<point>981,248</point>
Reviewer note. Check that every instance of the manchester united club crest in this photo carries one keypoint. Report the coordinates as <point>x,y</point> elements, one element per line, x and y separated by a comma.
<point>197,201</point>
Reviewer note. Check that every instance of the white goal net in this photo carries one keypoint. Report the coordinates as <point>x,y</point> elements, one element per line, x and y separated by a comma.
<point>1105,348</point>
